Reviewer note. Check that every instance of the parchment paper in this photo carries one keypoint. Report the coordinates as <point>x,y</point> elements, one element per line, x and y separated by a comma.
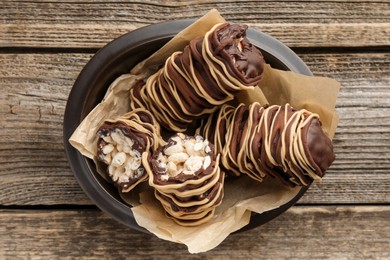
<point>242,195</point>
<point>115,103</point>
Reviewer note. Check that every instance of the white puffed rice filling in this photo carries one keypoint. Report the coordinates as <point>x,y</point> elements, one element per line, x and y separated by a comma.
<point>187,156</point>
<point>123,162</point>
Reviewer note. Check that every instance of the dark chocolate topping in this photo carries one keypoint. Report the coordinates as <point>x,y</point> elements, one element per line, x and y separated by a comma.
<point>243,60</point>
<point>320,147</point>
<point>192,83</point>
<point>202,71</point>
<point>285,143</point>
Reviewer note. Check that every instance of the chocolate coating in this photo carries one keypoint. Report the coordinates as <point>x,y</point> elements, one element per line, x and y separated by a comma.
<point>279,141</point>
<point>138,138</point>
<point>319,148</point>
<point>139,132</point>
<point>206,74</point>
<point>245,62</point>
<point>189,197</point>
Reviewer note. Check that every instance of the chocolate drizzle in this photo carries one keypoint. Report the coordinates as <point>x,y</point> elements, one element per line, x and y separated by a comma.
<point>188,197</point>
<point>279,141</point>
<point>205,75</point>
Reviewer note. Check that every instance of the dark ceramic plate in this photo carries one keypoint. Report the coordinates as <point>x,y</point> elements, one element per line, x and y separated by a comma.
<point>117,58</point>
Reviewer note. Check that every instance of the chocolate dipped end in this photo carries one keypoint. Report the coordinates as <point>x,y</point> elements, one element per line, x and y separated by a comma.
<point>318,147</point>
<point>243,60</point>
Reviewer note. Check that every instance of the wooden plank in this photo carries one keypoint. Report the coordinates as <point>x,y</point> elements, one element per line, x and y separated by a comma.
<point>34,168</point>
<point>300,233</point>
<point>92,24</point>
<point>35,87</point>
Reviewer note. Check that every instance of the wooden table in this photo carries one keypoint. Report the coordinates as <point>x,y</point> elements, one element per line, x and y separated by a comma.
<point>45,214</point>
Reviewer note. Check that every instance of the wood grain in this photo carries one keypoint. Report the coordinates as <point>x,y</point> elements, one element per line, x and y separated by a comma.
<point>33,165</point>
<point>35,87</point>
<point>300,233</point>
<point>85,24</point>
<point>44,214</point>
